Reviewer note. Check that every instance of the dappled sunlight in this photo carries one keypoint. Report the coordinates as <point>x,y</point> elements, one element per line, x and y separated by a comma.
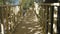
<point>2,28</point>
<point>38,32</point>
<point>54,28</point>
<point>55,15</point>
<point>56,4</point>
<point>16,10</point>
<point>49,33</point>
<point>36,7</point>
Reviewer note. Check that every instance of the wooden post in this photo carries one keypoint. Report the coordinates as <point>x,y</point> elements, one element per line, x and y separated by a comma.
<point>7,24</point>
<point>2,18</point>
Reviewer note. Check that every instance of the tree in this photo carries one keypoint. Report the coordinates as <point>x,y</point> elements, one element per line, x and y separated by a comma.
<point>1,2</point>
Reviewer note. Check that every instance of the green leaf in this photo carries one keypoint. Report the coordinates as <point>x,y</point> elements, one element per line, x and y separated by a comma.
<point>1,2</point>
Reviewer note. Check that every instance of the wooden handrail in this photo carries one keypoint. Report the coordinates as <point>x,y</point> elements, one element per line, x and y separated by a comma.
<point>49,4</point>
